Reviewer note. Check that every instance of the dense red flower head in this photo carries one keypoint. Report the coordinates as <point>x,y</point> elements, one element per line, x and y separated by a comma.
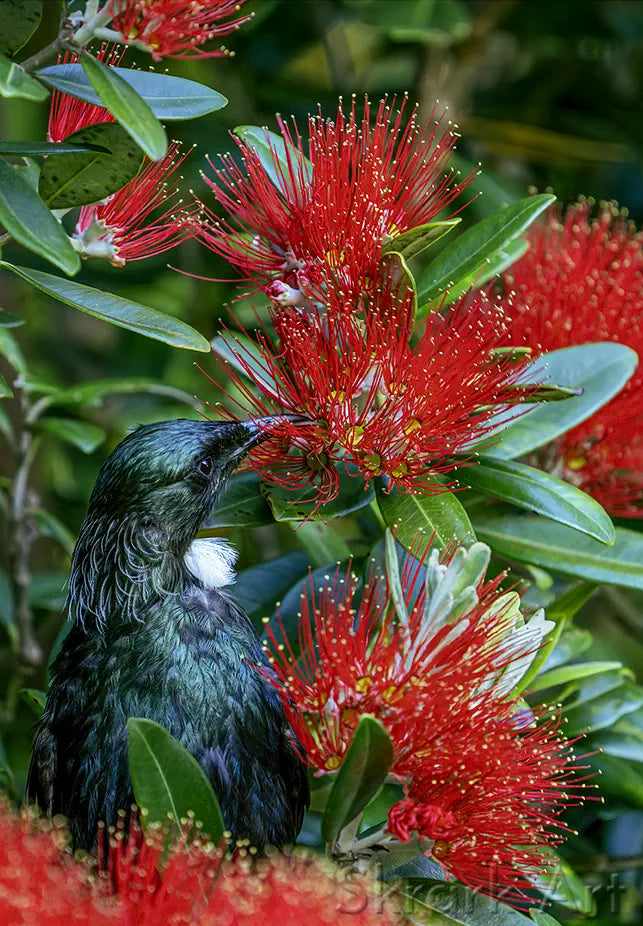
<point>485,779</point>
<point>175,28</point>
<point>373,400</point>
<point>582,281</point>
<point>124,226</point>
<point>297,228</point>
<point>68,114</point>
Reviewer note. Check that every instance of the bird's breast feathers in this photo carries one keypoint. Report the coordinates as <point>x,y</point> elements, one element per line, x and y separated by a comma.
<point>211,561</point>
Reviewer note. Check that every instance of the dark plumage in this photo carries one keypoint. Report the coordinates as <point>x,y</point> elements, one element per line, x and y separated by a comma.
<point>150,639</point>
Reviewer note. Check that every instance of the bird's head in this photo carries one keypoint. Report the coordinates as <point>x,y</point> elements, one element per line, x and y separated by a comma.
<point>172,473</point>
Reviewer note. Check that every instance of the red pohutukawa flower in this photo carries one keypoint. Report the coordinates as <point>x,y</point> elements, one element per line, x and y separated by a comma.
<point>67,114</point>
<point>175,28</point>
<point>299,224</point>
<point>373,400</point>
<point>144,884</point>
<point>582,281</point>
<point>485,780</point>
<point>124,226</point>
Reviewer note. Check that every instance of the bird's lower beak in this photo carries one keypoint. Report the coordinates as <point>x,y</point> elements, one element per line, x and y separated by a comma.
<point>260,429</point>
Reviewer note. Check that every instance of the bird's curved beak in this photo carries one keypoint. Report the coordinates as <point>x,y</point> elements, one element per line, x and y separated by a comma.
<point>259,429</point>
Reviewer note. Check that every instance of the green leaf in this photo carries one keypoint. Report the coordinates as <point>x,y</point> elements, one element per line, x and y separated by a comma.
<point>50,526</point>
<point>294,506</point>
<point>455,905</point>
<point>600,369</point>
<point>10,349</point>
<point>19,19</point>
<point>45,148</point>
<point>622,745</point>
<point>87,437</point>
<point>393,578</point>
<point>411,243</point>
<point>362,773</point>
<point>561,884</point>
<point>34,698</point>
<point>9,320</point>
<point>571,673</point>
<point>29,170</point>
<point>93,393</point>
<point>470,250</point>
<point>260,588</point>
<point>321,542</point>
<point>441,515</point>
<point>14,82</point>
<point>276,156</point>
<point>6,392</point>
<point>242,505</point>
<point>492,267</point>
<point>618,777</point>
<point>543,919</point>
<point>27,219</point>
<point>168,781</point>
<point>169,98</point>
<point>397,279</point>
<point>537,491</point>
<point>75,179</point>
<point>530,539</point>
<point>598,711</point>
<point>114,309</point>
<point>128,108</point>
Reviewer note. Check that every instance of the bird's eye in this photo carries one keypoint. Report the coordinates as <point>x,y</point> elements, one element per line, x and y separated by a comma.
<point>205,466</point>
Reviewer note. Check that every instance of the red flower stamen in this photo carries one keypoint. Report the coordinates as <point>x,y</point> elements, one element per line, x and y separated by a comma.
<point>582,281</point>
<point>175,28</point>
<point>67,114</point>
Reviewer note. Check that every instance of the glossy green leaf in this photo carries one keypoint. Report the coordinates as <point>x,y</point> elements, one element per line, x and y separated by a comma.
<point>128,108</point>
<point>278,158</point>
<point>19,19</point>
<point>530,539</point>
<point>622,745</point>
<point>321,542</point>
<point>27,219</point>
<point>29,170</point>
<point>560,884</point>
<point>453,904</point>
<point>600,369</point>
<point>412,242</point>
<point>9,320</point>
<point>50,526</point>
<point>260,588</point>
<point>469,251</point>
<point>362,773</point>
<point>441,515</point>
<point>563,675</point>
<point>543,919</point>
<point>295,506</point>
<point>35,699</point>
<point>10,349</point>
<point>618,777</point>
<point>394,579</point>
<point>45,148</point>
<point>537,491</point>
<point>87,437</point>
<point>242,505</point>
<point>170,98</point>
<point>114,309</point>
<point>5,389</point>
<point>76,179</point>
<point>601,710</point>
<point>14,82</point>
<point>492,267</point>
<point>93,393</point>
<point>167,780</point>
<point>397,280</point>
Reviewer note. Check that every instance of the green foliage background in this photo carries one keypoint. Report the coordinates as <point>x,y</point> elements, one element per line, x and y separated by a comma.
<point>546,94</point>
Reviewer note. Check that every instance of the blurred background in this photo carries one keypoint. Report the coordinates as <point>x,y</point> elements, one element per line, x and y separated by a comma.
<point>546,94</point>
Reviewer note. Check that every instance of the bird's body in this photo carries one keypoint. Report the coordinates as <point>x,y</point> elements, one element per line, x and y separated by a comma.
<point>157,636</point>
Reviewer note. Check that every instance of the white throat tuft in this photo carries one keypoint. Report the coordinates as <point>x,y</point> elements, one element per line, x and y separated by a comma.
<point>211,560</point>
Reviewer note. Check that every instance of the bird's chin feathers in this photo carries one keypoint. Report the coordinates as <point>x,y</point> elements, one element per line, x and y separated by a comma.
<point>211,561</point>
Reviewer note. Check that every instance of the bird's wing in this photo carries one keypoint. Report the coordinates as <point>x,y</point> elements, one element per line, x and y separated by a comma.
<point>41,778</point>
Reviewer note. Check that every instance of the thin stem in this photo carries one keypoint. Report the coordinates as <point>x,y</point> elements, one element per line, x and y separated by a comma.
<point>50,51</point>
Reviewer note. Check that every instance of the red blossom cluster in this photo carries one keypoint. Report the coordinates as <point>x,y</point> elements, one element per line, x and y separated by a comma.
<point>319,216</point>
<point>145,217</point>
<point>485,778</point>
<point>582,281</point>
<point>316,227</point>
<point>175,28</point>
<point>144,884</point>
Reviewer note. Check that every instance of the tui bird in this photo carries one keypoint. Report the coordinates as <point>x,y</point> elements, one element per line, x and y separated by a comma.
<point>156,634</point>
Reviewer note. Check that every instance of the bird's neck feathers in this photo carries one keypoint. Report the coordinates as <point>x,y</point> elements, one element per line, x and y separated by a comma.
<point>123,565</point>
